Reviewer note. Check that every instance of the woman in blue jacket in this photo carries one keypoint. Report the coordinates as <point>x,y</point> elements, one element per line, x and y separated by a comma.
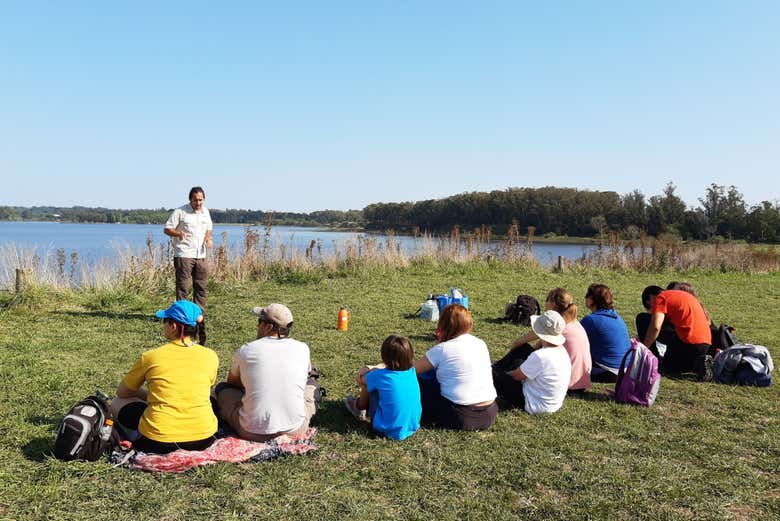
<point>607,333</point>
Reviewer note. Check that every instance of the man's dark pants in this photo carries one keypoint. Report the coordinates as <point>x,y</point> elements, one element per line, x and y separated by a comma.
<point>193,273</point>
<point>680,357</point>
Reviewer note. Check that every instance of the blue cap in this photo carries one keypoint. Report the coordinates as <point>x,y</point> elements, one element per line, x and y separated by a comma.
<point>182,311</point>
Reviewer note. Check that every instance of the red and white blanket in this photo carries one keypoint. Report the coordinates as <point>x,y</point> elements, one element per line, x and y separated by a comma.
<point>230,449</point>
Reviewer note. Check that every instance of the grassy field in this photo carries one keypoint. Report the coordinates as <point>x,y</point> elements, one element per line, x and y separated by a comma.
<point>703,451</point>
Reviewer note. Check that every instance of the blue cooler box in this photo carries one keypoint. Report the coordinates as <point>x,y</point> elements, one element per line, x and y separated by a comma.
<point>445,300</point>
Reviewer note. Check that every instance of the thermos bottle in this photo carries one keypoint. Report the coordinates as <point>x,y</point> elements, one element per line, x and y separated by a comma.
<point>343,322</point>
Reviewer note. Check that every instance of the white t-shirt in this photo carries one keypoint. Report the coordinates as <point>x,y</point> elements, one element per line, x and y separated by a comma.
<point>548,371</point>
<point>463,370</point>
<point>274,373</point>
<point>195,225</point>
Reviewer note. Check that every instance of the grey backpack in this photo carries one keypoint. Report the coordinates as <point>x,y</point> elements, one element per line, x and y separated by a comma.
<point>87,430</point>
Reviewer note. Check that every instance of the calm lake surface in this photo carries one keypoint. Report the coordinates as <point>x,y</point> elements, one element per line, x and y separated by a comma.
<point>93,242</point>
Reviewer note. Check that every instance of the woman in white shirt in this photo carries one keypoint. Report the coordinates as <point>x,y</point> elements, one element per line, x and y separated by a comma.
<point>456,382</point>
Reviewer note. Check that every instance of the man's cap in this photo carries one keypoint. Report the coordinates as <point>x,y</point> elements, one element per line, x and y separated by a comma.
<point>182,311</point>
<point>277,314</point>
<point>549,327</point>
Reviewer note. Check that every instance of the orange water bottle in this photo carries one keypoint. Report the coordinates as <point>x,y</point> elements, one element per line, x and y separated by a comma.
<point>343,323</point>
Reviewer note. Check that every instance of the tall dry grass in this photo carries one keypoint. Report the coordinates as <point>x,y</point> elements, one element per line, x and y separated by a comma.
<point>669,252</point>
<point>258,258</point>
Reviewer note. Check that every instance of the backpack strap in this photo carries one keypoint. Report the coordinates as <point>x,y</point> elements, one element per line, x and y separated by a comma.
<point>622,370</point>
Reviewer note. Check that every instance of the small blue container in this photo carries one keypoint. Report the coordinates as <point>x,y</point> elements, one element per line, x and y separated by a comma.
<point>445,300</point>
<point>463,301</point>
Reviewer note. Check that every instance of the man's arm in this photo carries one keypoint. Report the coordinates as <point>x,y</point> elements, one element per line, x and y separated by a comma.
<point>518,375</point>
<point>656,321</point>
<point>207,238</point>
<point>171,227</point>
<point>173,232</point>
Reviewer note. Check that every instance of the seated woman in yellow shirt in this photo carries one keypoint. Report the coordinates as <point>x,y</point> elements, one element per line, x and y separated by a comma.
<point>174,410</point>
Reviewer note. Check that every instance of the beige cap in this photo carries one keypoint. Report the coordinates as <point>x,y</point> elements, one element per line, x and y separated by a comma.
<point>278,314</point>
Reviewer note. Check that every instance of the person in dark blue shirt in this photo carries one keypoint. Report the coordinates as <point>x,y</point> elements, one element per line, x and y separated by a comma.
<point>607,333</point>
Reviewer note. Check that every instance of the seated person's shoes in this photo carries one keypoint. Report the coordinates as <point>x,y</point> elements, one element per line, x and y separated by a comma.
<point>351,403</point>
<point>703,368</point>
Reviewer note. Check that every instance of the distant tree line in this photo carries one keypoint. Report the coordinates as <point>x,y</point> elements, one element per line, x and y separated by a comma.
<point>83,214</point>
<point>722,212</point>
<point>349,218</point>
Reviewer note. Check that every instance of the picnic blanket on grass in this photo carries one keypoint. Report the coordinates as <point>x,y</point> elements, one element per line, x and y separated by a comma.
<point>230,449</point>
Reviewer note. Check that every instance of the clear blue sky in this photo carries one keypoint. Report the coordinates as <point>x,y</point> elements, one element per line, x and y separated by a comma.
<point>301,106</point>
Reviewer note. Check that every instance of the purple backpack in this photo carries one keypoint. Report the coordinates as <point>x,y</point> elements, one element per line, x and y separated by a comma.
<point>638,380</point>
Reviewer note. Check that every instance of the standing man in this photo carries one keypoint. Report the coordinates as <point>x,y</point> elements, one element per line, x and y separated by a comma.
<point>190,228</point>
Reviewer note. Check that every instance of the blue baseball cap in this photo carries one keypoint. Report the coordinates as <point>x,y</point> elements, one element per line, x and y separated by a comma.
<point>182,311</point>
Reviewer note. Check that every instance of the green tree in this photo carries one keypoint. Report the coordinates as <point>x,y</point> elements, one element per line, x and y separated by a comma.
<point>8,213</point>
<point>763,222</point>
<point>634,210</point>
<point>666,212</point>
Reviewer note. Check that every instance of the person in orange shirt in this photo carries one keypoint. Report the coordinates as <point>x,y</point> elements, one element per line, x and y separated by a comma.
<point>688,341</point>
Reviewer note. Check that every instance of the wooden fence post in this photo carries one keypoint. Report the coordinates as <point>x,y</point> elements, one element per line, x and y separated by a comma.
<point>22,279</point>
<point>561,263</point>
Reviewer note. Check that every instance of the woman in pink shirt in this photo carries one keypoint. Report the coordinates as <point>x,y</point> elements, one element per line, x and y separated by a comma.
<point>576,344</point>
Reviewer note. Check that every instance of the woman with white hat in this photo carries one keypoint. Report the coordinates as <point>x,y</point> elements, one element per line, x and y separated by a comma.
<point>540,383</point>
<point>576,343</point>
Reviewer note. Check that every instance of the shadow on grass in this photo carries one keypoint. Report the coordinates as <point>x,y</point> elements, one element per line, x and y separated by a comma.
<point>43,420</point>
<point>333,416</point>
<point>590,396</point>
<point>680,377</point>
<point>424,338</point>
<point>37,449</point>
<point>109,314</point>
<point>499,320</point>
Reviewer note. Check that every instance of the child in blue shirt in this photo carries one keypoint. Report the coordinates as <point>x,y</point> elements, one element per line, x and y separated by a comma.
<point>390,391</point>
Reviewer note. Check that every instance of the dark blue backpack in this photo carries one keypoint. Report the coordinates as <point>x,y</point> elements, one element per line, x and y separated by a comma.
<point>744,364</point>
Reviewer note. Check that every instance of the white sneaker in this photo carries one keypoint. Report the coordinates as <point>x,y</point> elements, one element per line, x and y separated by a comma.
<point>351,404</point>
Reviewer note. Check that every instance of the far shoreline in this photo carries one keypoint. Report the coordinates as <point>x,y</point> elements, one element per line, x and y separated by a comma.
<point>541,239</point>
<point>558,239</point>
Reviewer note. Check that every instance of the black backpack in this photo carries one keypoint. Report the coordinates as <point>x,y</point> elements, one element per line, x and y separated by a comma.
<point>521,310</point>
<point>87,431</point>
<point>723,337</point>
<point>319,391</point>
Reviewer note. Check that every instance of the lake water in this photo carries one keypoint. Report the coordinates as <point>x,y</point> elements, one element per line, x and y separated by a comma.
<point>93,242</point>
